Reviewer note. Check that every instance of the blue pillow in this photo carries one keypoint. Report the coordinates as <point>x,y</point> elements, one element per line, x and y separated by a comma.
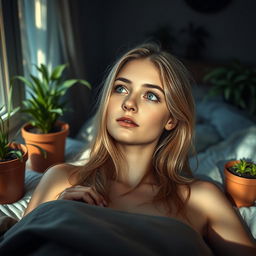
<point>224,117</point>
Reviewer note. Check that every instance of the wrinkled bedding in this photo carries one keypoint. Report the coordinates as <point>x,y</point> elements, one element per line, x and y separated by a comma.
<point>74,228</point>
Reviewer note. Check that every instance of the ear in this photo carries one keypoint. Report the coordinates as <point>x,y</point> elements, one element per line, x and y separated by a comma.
<point>170,124</point>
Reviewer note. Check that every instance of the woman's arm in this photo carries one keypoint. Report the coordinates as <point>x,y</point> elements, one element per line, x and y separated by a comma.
<point>227,234</point>
<point>53,182</point>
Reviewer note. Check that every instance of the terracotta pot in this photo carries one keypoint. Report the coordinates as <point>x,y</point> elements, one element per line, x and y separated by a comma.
<point>241,191</point>
<point>52,143</point>
<point>12,177</point>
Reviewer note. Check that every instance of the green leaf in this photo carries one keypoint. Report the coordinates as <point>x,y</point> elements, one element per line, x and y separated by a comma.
<point>44,104</point>
<point>4,128</point>
<point>215,73</point>
<point>17,153</point>
<point>222,83</point>
<point>86,83</point>
<point>1,108</point>
<point>227,92</point>
<point>66,85</point>
<point>25,81</point>
<point>38,85</point>
<point>57,72</point>
<point>43,152</point>
<point>45,74</point>
<point>242,103</point>
<point>58,111</point>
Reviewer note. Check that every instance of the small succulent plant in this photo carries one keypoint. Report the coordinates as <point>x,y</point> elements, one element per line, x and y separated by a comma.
<point>244,167</point>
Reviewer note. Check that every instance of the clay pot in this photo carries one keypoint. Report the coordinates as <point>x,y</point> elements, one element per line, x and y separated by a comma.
<point>12,174</point>
<point>241,191</point>
<point>52,143</point>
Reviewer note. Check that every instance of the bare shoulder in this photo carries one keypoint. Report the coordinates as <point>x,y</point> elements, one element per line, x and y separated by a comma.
<point>205,189</point>
<point>62,171</point>
<point>53,182</point>
<point>59,177</point>
<point>204,185</point>
<point>224,224</point>
<point>207,195</point>
<point>204,196</point>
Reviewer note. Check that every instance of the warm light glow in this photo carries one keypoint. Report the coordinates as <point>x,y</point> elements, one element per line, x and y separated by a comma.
<point>40,15</point>
<point>40,57</point>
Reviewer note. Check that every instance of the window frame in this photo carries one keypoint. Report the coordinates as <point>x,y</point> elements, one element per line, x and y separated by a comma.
<point>3,65</point>
<point>12,57</point>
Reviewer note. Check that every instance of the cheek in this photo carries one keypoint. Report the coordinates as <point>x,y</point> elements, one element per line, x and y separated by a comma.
<point>157,119</point>
<point>111,110</point>
<point>111,107</point>
<point>159,116</point>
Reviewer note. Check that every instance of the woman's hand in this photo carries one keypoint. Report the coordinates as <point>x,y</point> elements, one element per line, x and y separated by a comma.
<point>82,193</point>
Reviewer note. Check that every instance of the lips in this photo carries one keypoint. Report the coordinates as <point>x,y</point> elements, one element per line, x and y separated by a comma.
<point>127,122</point>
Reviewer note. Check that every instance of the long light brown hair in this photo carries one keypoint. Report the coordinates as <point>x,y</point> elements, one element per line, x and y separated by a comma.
<point>170,159</point>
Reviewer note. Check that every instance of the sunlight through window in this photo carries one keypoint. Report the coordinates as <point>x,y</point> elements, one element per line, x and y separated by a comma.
<point>40,15</point>
<point>40,56</point>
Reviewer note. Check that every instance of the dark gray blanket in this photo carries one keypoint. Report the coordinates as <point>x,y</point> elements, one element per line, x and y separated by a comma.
<point>74,228</point>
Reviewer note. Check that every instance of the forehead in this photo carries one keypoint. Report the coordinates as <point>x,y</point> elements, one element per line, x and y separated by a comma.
<point>141,70</point>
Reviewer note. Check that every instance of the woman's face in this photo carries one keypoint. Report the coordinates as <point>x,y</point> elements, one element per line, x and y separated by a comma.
<point>137,113</point>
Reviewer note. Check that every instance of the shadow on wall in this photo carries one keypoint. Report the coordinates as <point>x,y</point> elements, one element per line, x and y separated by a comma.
<point>190,42</point>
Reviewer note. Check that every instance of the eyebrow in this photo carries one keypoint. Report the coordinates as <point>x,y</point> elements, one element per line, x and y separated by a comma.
<point>153,86</point>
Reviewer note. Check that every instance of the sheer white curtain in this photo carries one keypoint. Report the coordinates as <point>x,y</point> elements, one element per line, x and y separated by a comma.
<point>48,37</point>
<point>40,34</point>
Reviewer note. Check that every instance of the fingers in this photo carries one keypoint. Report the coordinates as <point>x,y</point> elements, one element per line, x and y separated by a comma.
<point>82,193</point>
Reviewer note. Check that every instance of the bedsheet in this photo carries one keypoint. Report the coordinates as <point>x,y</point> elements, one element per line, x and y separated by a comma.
<point>67,227</point>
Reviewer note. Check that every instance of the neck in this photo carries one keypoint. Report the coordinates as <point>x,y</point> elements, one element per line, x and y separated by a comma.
<point>139,165</point>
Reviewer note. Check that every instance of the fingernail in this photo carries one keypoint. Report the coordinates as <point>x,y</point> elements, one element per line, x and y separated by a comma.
<point>105,202</point>
<point>101,205</point>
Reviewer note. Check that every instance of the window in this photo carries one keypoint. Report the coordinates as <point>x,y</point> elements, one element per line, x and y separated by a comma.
<point>4,81</point>
<point>10,57</point>
<point>32,36</point>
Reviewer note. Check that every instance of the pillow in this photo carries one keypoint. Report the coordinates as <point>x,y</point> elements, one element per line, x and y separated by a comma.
<point>224,117</point>
<point>241,144</point>
<point>205,136</point>
<point>86,132</point>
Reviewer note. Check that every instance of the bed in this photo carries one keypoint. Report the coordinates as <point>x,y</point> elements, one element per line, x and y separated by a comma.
<point>223,133</point>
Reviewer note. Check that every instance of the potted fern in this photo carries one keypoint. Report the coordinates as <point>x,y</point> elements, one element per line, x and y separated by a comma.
<point>13,158</point>
<point>44,132</point>
<point>240,182</point>
<point>236,83</point>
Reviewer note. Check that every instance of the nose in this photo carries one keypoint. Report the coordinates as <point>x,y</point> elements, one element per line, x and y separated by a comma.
<point>129,105</point>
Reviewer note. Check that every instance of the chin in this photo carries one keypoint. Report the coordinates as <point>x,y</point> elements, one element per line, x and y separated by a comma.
<point>128,140</point>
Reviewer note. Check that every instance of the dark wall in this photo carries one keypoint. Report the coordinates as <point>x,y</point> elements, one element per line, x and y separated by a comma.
<point>108,27</point>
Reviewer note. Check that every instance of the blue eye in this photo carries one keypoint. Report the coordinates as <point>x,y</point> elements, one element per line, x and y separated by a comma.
<point>151,96</point>
<point>119,89</point>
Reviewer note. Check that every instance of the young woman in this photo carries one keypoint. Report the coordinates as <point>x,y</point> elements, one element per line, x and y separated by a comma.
<point>139,157</point>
